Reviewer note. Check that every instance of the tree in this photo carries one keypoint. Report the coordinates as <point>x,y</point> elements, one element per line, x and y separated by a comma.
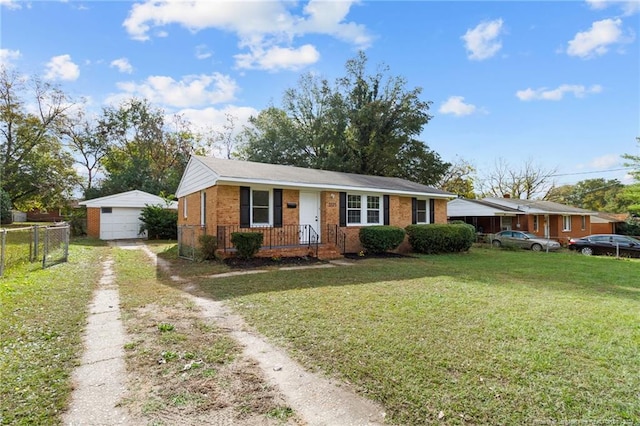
<point>459,179</point>
<point>591,194</point>
<point>631,193</point>
<point>5,208</point>
<point>35,170</point>
<point>367,124</point>
<point>143,151</point>
<point>526,182</point>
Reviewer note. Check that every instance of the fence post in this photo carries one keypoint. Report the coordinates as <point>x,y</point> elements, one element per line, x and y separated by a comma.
<point>67,234</point>
<point>2,251</point>
<point>46,248</point>
<point>36,242</point>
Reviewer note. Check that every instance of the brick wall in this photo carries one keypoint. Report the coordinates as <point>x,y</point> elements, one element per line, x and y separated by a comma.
<point>93,222</point>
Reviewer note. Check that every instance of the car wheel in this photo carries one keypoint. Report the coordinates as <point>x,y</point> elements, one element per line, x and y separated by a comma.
<point>587,251</point>
<point>536,247</point>
<point>496,243</point>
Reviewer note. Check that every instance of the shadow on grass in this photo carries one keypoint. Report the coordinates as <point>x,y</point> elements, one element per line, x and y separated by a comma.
<point>562,272</point>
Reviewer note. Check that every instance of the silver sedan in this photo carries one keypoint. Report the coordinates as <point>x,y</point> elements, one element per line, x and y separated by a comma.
<point>526,240</point>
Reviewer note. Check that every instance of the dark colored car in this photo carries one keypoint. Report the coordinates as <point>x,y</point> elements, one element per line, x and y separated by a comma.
<point>525,240</point>
<point>609,244</point>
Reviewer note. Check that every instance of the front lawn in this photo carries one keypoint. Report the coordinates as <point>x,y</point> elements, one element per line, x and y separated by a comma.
<point>488,337</point>
<point>42,315</point>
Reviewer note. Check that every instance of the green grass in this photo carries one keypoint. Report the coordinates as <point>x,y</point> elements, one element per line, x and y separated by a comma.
<point>43,313</point>
<point>488,337</point>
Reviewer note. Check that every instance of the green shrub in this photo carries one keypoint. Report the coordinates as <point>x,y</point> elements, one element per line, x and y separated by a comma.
<point>159,222</point>
<point>208,246</point>
<point>247,243</point>
<point>379,239</point>
<point>439,238</point>
<point>5,208</point>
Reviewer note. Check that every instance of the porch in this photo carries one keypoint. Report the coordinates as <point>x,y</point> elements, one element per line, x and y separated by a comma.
<point>288,240</point>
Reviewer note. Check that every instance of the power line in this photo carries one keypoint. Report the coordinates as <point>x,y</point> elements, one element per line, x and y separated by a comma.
<point>587,173</point>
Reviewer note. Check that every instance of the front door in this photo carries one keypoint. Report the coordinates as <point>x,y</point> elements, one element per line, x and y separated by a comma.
<point>309,215</point>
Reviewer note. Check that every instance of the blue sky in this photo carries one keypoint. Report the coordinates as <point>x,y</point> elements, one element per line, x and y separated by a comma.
<point>555,82</point>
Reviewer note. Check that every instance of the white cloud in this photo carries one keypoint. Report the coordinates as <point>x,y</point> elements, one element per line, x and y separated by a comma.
<point>10,4</point>
<point>263,27</point>
<point>482,42</point>
<point>628,7</point>
<point>216,119</point>
<point>8,56</point>
<point>191,91</point>
<point>122,64</point>
<point>62,68</point>
<point>597,39</point>
<point>455,105</point>
<point>202,51</point>
<point>276,58</point>
<point>558,93</point>
<point>605,162</point>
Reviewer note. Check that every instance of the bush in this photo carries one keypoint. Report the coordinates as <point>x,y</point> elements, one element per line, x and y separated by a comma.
<point>437,238</point>
<point>208,246</point>
<point>5,208</point>
<point>379,239</point>
<point>247,243</point>
<point>159,222</point>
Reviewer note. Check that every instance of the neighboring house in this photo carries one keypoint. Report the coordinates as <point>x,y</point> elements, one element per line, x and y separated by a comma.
<point>116,217</point>
<point>543,218</point>
<point>294,207</point>
<point>607,223</point>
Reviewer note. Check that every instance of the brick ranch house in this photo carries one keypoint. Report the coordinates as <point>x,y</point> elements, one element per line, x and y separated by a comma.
<point>543,218</point>
<point>298,209</point>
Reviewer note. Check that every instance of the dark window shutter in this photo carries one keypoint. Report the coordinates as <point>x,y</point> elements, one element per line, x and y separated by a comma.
<point>343,209</point>
<point>385,200</point>
<point>245,207</point>
<point>432,210</point>
<point>277,208</point>
<point>414,211</point>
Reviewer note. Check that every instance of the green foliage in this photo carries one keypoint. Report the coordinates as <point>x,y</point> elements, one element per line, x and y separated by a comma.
<point>364,123</point>
<point>208,246</point>
<point>247,243</point>
<point>35,168</point>
<point>591,194</point>
<point>379,239</point>
<point>440,238</point>
<point>630,227</point>
<point>5,208</point>
<point>159,222</point>
<point>77,219</point>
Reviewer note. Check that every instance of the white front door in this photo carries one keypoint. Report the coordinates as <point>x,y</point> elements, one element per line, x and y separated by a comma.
<point>309,214</point>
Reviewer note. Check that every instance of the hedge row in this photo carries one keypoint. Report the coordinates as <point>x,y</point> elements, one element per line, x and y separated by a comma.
<point>440,238</point>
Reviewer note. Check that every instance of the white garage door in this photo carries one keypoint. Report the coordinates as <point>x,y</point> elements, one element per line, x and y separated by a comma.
<point>117,223</point>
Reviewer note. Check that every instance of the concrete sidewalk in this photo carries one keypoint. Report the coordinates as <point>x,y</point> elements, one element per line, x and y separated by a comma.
<point>98,382</point>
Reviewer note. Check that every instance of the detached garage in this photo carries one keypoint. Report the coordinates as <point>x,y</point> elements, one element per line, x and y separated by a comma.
<point>115,217</point>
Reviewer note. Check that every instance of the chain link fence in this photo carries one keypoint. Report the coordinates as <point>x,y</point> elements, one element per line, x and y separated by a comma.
<point>188,241</point>
<point>49,244</point>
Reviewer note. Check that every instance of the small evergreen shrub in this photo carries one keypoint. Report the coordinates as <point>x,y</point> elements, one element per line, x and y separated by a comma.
<point>247,243</point>
<point>208,246</point>
<point>379,239</point>
<point>159,222</point>
<point>440,238</point>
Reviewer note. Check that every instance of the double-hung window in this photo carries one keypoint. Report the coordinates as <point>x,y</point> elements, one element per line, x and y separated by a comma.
<point>566,223</point>
<point>364,209</point>
<point>260,207</point>
<point>422,211</point>
<point>535,223</point>
<point>583,223</point>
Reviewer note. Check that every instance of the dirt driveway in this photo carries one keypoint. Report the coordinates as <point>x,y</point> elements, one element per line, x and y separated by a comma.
<point>231,375</point>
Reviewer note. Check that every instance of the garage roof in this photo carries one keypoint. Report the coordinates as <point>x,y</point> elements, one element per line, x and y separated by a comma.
<point>133,198</point>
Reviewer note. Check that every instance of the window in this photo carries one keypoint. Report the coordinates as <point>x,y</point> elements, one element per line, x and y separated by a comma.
<point>106,210</point>
<point>566,223</point>
<point>535,223</point>
<point>364,209</point>
<point>583,223</point>
<point>184,207</point>
<point>421,211</point>
<point>203,208</point>
<point>260,207</point>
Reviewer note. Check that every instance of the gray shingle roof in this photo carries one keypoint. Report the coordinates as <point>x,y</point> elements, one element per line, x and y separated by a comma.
<point>538,206</point>
<point>247,171</point>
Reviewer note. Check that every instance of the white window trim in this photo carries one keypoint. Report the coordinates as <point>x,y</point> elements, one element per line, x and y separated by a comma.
<point>364,209</point>
<point>203,208</point>
<point>564,223</point>
<point>427,213</point>
<point>270,191</point>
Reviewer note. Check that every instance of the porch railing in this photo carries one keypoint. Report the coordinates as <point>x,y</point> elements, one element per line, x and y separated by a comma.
<point>336,236</point>
<point>285,236</point>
